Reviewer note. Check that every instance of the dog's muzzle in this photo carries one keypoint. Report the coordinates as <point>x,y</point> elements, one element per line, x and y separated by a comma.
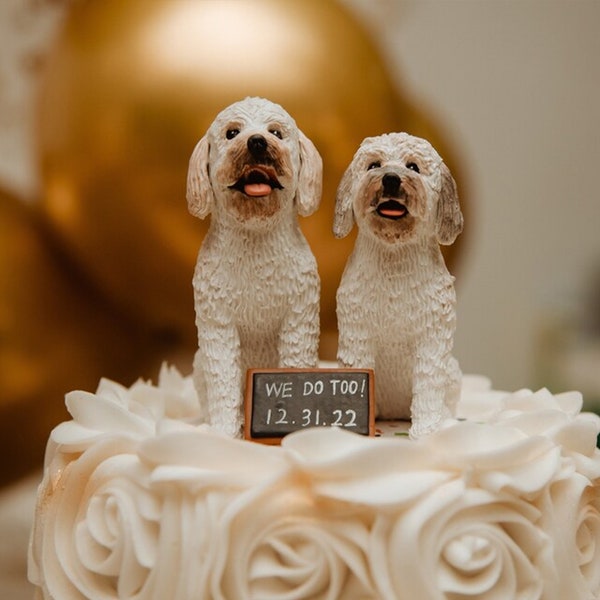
<point>257,181</point>
<point>258,178</point>
<point>391,207</point>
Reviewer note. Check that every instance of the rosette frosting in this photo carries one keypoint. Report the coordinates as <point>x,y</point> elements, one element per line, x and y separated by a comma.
<point>140,502</point>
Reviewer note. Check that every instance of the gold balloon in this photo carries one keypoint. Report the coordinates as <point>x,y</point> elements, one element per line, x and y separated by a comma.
<point>54,336</point>
<point>133,84</point>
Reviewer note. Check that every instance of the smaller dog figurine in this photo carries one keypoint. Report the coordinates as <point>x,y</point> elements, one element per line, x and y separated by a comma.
<point>396,300</point>
<point>256,286</point>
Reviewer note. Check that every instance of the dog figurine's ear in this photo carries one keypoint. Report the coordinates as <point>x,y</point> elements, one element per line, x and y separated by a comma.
<point>449,219</point>
<point>343,220</point>
<point>310,178</point>
<point>199,193</point>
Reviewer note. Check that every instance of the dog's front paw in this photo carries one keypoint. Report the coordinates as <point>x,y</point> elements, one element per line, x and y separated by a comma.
<point>230,427</point>
<point>232,432</point>
<point>421,427</point>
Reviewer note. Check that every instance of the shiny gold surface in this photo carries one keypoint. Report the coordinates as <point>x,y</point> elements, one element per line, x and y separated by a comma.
<point>54,337</point>
<point>133,84</point>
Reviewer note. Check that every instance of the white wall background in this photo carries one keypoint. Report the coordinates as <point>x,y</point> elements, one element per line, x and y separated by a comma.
<point>516,84</point>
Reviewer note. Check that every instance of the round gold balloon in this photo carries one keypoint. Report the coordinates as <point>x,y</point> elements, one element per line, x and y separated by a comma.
<point>133,84</point>
<point>54,336</point>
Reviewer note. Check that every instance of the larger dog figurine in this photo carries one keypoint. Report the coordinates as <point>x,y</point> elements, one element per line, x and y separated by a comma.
<point>256,287</point>
<point>396,300</point>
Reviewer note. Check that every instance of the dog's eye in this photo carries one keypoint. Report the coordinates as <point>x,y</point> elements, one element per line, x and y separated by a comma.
<point>374,165</point>
<point>276,133</point>
<point>413,166</point>
<point>231,133</point>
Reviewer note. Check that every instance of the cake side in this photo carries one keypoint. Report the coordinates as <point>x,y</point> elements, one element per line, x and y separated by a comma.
<point>139,502</point>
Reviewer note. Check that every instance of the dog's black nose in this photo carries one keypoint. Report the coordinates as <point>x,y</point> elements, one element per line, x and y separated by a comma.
<point>391,184</point>
<point>257,144</point>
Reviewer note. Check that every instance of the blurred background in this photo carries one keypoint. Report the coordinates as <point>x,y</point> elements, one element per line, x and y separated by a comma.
<point>102,102</point>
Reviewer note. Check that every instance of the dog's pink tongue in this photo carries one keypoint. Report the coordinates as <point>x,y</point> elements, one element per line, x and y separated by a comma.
<point>257,189</point>
<point>392,212</point>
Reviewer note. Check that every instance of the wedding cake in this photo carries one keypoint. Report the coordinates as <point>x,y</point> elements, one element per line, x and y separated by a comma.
<point>502,502</point>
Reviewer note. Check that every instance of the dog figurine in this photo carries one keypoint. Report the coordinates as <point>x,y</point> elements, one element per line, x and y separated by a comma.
<point>256,286</point>
<point>396,300</point>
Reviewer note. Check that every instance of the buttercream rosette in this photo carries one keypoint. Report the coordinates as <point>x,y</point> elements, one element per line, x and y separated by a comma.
<point>139,501</point>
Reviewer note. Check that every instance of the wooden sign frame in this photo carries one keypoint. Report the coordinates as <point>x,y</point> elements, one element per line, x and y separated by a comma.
<point>315,412</point>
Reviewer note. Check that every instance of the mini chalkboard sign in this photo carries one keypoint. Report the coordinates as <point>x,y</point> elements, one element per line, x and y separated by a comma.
<point>280,401</point>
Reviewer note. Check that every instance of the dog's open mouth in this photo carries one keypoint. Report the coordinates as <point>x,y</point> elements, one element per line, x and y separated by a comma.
<point>257,182</point>
<point>391,209</point>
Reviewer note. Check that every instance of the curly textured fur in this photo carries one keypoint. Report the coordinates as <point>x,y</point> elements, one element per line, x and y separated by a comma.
<point>396,300</point>
<point>256,287</point>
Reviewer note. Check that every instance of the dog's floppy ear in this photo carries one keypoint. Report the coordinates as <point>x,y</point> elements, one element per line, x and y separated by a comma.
<point>199,191</point>
<point>310,178</point>
<point>449,219</point>
<point>343,220</point>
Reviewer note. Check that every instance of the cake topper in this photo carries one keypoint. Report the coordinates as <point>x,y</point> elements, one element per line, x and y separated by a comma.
<point>396,300</point>
<point>256,286</point>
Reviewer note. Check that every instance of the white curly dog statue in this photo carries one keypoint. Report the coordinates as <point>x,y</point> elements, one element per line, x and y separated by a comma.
<point>396,300</point>
<point>256,287</point>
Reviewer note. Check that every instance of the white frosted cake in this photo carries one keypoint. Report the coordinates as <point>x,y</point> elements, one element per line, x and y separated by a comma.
<point>502,502</point>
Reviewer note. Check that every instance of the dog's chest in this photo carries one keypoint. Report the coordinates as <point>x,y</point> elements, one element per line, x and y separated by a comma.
<point>261,290</point>
<point>396,302</point>
<point>253,290</point>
